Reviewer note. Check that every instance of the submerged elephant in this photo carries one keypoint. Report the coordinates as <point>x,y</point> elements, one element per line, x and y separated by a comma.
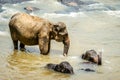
<point>32,30</point>
<point>92,56</point>
<point>63,67</point>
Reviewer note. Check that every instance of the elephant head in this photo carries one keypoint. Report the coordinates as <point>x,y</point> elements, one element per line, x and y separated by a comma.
<point>63,67</point>
<point>60,34</point>
<point>59,31</point>
<point>92,56</point>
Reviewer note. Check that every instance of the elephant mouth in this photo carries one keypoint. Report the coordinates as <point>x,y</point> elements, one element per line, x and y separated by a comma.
<point>58,39</point>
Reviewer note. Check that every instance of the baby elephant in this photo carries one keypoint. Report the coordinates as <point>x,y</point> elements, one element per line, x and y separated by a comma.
<point>92,56</point>
<point>63,67</point>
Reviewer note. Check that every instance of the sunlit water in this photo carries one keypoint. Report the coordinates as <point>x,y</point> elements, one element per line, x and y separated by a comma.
<point>95,26</point>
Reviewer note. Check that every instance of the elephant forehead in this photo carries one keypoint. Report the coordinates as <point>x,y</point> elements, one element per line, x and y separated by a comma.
<point>61,24</point>
<point>91,52</point>
<point>65,65</point>
<point>62,27</point>
<point>64,32</point>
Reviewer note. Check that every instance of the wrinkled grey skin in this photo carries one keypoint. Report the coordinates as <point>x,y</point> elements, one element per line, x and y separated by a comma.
<point>63,67</point>
<point>92,56</point>
<point>33,30</point>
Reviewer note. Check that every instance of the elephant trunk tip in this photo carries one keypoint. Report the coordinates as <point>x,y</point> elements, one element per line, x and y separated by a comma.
<point>100,59</point>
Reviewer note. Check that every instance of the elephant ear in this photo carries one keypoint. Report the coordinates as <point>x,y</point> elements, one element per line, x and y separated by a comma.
<point>57,68</point>
<point>50,66</point>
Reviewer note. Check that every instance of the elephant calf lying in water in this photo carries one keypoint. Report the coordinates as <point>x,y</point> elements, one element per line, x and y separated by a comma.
<point>33,30</point>
<point>92,56</point>
<point>63,67</point>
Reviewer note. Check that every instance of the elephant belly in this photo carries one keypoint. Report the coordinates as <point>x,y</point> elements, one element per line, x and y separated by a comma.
<point>28,41</point>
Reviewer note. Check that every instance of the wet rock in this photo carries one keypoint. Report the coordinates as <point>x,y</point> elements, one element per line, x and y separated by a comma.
<point>63,67</point>
<point>79,5</point>
<point>88,70</point>
<point>75,2</point>
<point>31,9</point>
<point>71,2</point>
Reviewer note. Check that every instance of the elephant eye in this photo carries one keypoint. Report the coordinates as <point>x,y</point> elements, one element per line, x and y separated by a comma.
<point>67,71</point>
<point>91,59</point>
<point>61,30</point>
<point>56,29</point>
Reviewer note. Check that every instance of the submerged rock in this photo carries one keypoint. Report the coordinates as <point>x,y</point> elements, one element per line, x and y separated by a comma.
<point>31,9</point>
<point>75,2</point>
<point>76,5</point>
<point>88,70</point>
<point>82,5</point>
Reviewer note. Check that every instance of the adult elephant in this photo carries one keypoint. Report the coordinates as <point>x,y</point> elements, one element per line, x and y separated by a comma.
<point>33,30</point>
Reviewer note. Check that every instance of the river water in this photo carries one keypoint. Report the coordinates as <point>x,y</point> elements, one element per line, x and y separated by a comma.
<point>92,25</point>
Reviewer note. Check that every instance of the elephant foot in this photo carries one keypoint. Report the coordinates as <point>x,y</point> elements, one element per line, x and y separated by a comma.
<point>22,49</point>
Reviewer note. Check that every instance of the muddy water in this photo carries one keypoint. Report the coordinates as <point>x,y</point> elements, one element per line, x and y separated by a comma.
<point>99,30</point>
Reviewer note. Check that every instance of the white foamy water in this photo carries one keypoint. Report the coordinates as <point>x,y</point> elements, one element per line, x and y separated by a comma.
<point>113,13</point>
<point>3,33</point>
<point>72,14</point>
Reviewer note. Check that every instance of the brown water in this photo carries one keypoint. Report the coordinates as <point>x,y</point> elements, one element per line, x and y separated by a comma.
<point>91,30</point>
<point>85,33</point>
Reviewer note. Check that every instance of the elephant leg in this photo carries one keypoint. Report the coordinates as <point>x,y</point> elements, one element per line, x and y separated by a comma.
<point>15,43</point>
<point>44,45</point>
<point>49,43</point>
<point>14,38</point>
<point>22,47</point>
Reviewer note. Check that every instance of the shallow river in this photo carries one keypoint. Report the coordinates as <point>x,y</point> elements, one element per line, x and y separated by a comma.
<point>95,25</point>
